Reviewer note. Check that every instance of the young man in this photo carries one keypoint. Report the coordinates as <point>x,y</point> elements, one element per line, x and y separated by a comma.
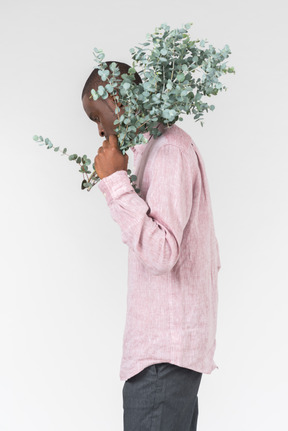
<point>169,338</point>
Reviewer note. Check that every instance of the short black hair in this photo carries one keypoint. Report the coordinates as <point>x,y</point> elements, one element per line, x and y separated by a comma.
<point>94,80</point>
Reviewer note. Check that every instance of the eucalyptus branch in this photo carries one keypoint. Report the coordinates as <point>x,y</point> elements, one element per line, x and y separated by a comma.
<point>173,60</point>
<point>170,58</point>
<point>146,122</point>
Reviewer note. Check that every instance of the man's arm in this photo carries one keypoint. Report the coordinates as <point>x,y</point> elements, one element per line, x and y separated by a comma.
<point>154,229</point>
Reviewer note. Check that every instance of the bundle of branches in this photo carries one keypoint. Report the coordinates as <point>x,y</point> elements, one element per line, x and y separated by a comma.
<point>178,74</point>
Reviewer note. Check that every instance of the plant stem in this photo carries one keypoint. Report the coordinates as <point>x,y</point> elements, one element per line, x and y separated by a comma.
<point>145,123</point>
<point>173,61</point>
<point>129,106</point>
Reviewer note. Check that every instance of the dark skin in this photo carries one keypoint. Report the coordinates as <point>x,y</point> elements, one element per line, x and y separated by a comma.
<point>109,158</point>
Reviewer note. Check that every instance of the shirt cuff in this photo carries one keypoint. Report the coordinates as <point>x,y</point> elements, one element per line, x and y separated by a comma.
<point>115,185</point>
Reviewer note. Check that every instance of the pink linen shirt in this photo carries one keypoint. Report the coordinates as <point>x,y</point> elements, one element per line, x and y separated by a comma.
<point>173,259</point>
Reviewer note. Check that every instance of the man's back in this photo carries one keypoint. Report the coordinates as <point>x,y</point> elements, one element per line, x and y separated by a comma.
<point>173,255</point>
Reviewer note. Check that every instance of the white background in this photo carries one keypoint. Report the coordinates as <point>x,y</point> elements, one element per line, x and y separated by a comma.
<point>63,265</point>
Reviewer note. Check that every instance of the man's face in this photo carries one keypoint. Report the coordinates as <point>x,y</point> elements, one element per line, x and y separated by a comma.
<point>103,113</point>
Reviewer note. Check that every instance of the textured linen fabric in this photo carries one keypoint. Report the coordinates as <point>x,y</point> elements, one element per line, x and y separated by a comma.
<point>173,258</point>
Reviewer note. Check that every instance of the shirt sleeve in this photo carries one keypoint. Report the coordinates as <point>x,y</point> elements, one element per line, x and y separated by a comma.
<point>153,228</point>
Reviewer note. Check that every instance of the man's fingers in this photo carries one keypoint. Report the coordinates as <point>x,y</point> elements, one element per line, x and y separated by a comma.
<point>113,141</point>
<point>105,144</point>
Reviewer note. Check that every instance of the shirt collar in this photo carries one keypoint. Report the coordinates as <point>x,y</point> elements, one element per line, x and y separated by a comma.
<point>148,136</point>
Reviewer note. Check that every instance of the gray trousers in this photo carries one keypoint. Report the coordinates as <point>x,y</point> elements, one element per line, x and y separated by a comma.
<point>162,397</point>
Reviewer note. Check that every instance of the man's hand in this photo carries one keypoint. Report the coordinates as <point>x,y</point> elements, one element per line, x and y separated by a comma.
<point>109,158</point>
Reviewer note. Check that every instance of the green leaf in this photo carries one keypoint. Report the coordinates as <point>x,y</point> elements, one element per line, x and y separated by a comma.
<point>65,150</point>
<point>109,88</point>
<point>35,137</point>
<point>180,77</point>
<point>169,114</point>
<point>104,74</point>
<point>94,94</point>
<point>101,90</point>
<point>56,149</point>
<point>113,66</point>
<point>85,184</point>
<point>188,25</point>
<point>169,85</point>
<point>73,157</point>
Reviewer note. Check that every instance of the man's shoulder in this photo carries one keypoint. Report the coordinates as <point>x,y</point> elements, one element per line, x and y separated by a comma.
<point>175,135</point>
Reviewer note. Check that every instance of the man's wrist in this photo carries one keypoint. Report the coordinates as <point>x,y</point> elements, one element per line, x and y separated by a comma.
<point>115,185</point>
